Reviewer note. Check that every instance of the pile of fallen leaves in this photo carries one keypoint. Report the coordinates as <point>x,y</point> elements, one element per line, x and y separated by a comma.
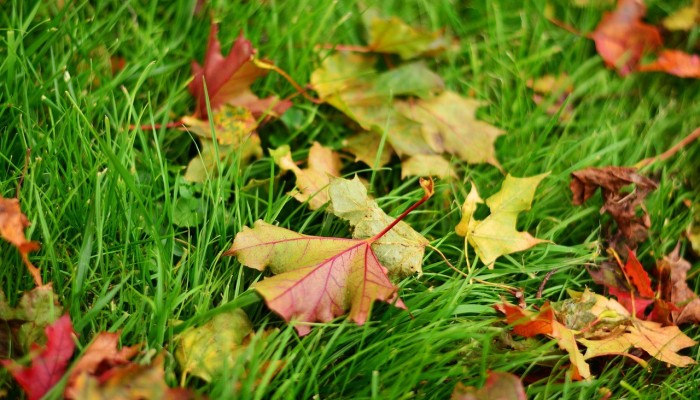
<point>400,110</point>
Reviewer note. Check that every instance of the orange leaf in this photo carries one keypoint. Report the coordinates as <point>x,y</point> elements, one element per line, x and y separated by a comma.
<point>526,323</point>
<point>12,225</point>
<point>676,62</point>
<point>621,37</point>
<point>638,276</point>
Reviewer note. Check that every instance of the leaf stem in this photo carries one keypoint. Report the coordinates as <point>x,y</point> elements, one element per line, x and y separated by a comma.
<point>672,151</point>
<point>428,187</point>
<point>270,66</point>
<point>151,127</point>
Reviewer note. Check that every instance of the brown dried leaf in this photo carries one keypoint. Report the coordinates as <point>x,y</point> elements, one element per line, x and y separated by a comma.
<point>498,386</point>
<point>620,205</point>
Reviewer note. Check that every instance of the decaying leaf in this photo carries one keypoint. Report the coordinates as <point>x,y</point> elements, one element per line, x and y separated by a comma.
<point>132,381</point>
<point>496,235</point>
<point>427,165</point>
<point>673,272</point>
<point>400,250</point>
<point>350,83</point>
<point>621,205</point>
<point>449,125</point>
<point>25,324</point>
<point>207,350</point>
<point>684,19</point>
<point>312,181</point>
<point>604,326</point>
<point>317,278</point>
<point>498,386</point>
<point>392,35</point>
<point>12,226</point>
<point>234,128</point>
<point>228,79</point>
<point>675,62</point>
<point>48,363</point>
<point>621,37</point>
<point>99,359</point>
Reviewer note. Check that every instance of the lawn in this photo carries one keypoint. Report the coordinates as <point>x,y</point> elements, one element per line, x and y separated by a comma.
<point>131,246</point>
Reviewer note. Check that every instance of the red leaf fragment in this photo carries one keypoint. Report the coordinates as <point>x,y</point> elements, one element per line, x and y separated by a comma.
<point>673,272</point>
<point>637,275</point>
<point>49,365</point>
<point>621,37</point>
<point>228,79</point>
<point>675,62</point>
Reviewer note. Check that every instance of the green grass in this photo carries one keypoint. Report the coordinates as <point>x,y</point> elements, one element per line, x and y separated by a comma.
<point>102,198</point>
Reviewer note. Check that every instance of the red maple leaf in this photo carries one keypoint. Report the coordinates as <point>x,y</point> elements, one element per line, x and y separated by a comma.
<point>49,363</point>
<point>621,37</point>
<point>228,79</point>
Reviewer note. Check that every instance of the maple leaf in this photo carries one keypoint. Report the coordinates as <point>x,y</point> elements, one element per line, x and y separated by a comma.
<point>99,358</point>
<point>394,36</point>
<point>621,37</point>
<point>660,342</point>
<point>350,83</point>
<point>317,278</point>
<point>207,350</point>
<point>449,124</point>
<point>400,250</point>
<point>312,182</point>
<point>48,363</point>
<point>132,381</point>
<point>25,324</point>
<point>234,129</point>
<point>496,235</point>
<point>228,79</point>
<point>529,324</point>
<point>12,225</point>
<point>498,386</point>
<point>675,62</point>
<point>622,206</point>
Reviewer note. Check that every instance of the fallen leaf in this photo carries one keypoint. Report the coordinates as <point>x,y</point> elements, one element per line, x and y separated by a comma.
<point>528,324</point>
<point>100,357</point>
<point>12,226</point>
<point>207,350</point>
<point>316,278</point>
<point>660,342</point>
<point>684,19</point>
<point>26,323</point>
<point>48,363</point>
<point>621,37</point>
<point>132,381</point>
<point>449,125</point>
<point>394,36</point>
<point>350,83</point>
<point>496,235</point>
<point>673,270</point>
<point>312,182</point>
<point>427,165</point>
<point>621,205</point>
<point>498,386</point>
<point>228,79</point>
<point>675,62</point>
<point>400,250</point>
<point>234,128</point>
<point>364,146</point>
